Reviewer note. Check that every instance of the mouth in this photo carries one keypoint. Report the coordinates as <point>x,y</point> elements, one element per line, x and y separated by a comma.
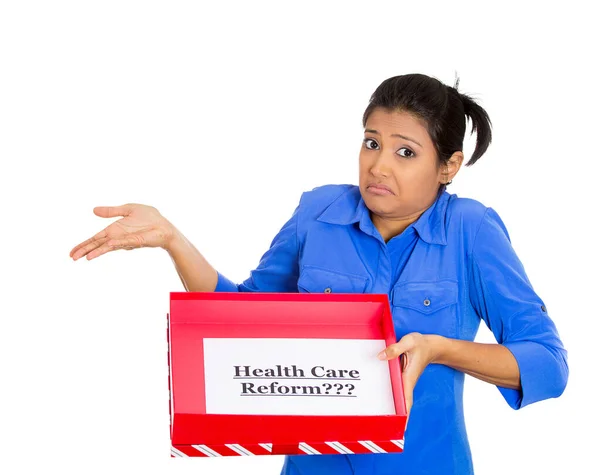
<point>378,189</point>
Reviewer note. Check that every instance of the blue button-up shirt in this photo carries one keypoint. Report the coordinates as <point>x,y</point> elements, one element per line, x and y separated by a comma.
<point>450,269</point>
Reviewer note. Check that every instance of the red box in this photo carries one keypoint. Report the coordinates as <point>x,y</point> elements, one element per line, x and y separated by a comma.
<point>197,315</point>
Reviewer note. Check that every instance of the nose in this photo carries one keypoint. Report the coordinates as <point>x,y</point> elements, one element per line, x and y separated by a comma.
<point>381,167</point>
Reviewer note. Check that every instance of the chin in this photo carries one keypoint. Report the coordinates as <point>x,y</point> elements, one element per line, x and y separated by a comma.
<point>381,205</point>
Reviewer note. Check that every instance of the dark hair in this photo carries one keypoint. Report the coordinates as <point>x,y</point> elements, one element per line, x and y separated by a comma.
<point>443,109</point>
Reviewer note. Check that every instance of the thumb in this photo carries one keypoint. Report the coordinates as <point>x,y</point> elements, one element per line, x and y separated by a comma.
<point>113,211</point>
<point>395,350</point>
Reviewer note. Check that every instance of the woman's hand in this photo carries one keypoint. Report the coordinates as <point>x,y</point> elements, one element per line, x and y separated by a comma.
<point>141,226</point>
<point>417,352</point>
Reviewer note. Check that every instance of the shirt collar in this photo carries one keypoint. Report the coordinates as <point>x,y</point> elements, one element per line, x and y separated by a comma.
<point>431,225</point>
<point>346,209</point>
<point>350,208</point>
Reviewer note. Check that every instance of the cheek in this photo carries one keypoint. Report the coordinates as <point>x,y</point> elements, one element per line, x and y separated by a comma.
<point>418,173</point>
<point>363,166</point>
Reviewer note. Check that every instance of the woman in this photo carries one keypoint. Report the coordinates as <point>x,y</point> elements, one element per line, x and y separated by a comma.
<point>445,262</point>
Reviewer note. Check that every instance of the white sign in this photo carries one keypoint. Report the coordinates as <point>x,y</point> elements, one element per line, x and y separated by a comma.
<point>296,376</point>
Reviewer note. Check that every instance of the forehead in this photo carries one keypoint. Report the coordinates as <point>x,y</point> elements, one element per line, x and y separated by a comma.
<point>388,122</point>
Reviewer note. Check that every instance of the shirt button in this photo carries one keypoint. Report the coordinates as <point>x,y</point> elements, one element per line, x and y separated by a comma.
<point>427,302</point>
<point>327,290</point>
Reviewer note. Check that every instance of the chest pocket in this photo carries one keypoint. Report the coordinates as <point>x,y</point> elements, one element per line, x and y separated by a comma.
<point>426,307</point>
<point>317,280</point>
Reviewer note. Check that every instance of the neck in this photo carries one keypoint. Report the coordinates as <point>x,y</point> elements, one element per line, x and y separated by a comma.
<point>392,227</point>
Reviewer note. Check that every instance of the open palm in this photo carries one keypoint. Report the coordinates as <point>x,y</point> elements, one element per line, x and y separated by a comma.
<point>141,226</point>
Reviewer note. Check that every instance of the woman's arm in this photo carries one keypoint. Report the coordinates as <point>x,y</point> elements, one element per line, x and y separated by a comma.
<point>492,363</point>
<point>529,362</point>
<point>503,297</point>
<point>196,274</point>
<point>144,226</point>
<point>489,362</point>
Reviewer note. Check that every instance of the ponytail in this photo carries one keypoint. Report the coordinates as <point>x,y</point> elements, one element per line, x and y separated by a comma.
<point>481,123</point>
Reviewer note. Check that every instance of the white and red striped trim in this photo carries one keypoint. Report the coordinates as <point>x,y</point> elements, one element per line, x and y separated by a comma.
<point>267,447</point>
<point>341,448</point>
<point>307,449</point>
<point>313,448</point>
<point>224,450</point>
<point>177,453</point>
<point>372,446</point>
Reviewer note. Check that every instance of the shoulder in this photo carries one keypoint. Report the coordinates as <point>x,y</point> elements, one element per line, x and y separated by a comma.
<point>327,205</point>
<point>328,193</point>
<point>476,221</point>
<point>321,197</point>
<point>468,211</point>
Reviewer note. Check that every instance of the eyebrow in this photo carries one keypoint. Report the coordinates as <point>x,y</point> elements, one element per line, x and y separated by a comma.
<point>395,135</point>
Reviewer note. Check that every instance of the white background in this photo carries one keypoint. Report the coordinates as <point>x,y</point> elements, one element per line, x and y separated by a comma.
<point>220,114</point>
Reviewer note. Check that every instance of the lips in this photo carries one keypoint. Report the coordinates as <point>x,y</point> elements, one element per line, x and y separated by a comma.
<point>379,189</point>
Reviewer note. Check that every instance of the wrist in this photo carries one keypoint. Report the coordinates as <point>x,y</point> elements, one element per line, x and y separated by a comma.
<point>174,242</point>
<point>438,346</point>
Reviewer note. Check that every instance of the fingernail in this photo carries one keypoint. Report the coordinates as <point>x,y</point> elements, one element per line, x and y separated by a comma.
<point>381,355</point>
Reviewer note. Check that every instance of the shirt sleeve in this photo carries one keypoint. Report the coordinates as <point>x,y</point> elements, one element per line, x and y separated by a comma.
<point>277,270</point>
<point>503,297</point>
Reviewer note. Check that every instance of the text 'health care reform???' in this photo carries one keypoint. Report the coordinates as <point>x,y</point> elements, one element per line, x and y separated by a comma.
<point>297,385</point>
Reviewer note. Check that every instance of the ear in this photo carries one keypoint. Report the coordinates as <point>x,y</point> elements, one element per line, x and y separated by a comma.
<point>450,169</point>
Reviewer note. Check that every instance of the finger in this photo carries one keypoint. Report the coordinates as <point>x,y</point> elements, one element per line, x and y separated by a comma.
<point>84,251</point>
<point>130,242</point>
<point>410,377</point>
<point>99,251</point>
<point>395,349</point>
<point>408,388</point>
<point>101,235</point>
<point>113,211</point>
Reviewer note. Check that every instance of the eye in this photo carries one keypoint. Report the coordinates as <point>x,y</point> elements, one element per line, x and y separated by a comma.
<point>412,154</point>
<point>367,141</point>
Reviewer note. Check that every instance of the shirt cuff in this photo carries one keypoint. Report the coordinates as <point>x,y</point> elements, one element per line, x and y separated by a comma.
<point>543,374</point>
<point>225,285</point>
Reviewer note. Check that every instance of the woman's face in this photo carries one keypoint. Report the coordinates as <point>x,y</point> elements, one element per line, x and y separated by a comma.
<point>399,176</point>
